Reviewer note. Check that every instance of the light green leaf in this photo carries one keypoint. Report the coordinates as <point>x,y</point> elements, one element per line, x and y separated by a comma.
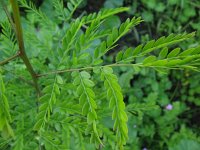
<point>149,59</point>
<point>174,53</point>
<point>163,53</point>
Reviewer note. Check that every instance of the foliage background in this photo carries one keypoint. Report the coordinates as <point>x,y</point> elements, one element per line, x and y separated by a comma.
<point>163,129</point>
<point>176,129</point>
<point>153,127</point>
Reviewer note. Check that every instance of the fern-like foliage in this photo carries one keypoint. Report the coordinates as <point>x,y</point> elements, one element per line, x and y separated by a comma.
<point>166,59</point>
<point>70,36</point>
<point>2,13</point>
<point>150,46</point>
<point>87,99</point>
<point>19,142</point>
<point>92,33</point>
<point>47,101</point>
<point>5,117</point>
<point>174,58</point>
<point>103,14</point>
<point>86,94</point>
<point>72,103</point>
<point>117,104</point>
<point>31,8</point>
<point>115,36</point>
<point>65,14</point>
<point>8,45</point>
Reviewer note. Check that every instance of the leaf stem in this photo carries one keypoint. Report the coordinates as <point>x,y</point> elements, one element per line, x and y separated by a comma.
<point>9,59</point>
<point>85,68</point>
<point>18,76</point>
<point>110,65</point>
<point>19,35</point>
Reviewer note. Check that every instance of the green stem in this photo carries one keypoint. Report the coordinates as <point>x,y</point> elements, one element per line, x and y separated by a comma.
<point>111,65</point>
<point>20,40</point>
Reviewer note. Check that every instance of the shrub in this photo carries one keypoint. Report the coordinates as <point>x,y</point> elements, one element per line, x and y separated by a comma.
<point>73,89</point>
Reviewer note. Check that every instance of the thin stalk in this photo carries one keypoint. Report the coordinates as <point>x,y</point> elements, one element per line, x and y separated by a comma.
<point>64,70</point>
<point>111,65</point>
<point>9,59</point>
<point>19,35</point>
<point>17,76</point>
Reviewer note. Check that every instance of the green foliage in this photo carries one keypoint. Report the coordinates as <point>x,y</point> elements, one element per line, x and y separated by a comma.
<point>70,110</point>
<point>5,117</point>
<point>115,35</point>
<point>63,13</point>
<point>162,42</point>
<point>2,12</point>
<point>117,104</point>
<point>184,140</point>
<point>8,46</point>
<point>103,14</point>
<point>47,101</point>
<point>87,99</point>
<point>31,8</point>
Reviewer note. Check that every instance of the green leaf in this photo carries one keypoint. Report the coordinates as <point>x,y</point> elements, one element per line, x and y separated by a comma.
<point>113,38</point>
<point>142,50</point>
<point>5,117</point>
<point>115,96</point>
<point>88,83</point>
<point>47,100</point>
<point>160,63</point>
<point>148,45</point>
<point>38,125</point>
<point>174,53</point>
<point>163,53</point>
<point>85,74</point>
<point>149,59</point>
<point>86,97</point>
<point>119,56</point>
<point>70,7</point>
<point>175,62</point>
<point>107,70</point>
<point>59,79</point>
<point>103,14</point>
<point>137,50</point>
<point>85,109</point>
<point>90,118</point>
<point>128,53</point>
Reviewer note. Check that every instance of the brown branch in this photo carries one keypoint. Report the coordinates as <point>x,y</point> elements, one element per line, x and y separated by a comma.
<point>9,59</point>
<point>19,35</point>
